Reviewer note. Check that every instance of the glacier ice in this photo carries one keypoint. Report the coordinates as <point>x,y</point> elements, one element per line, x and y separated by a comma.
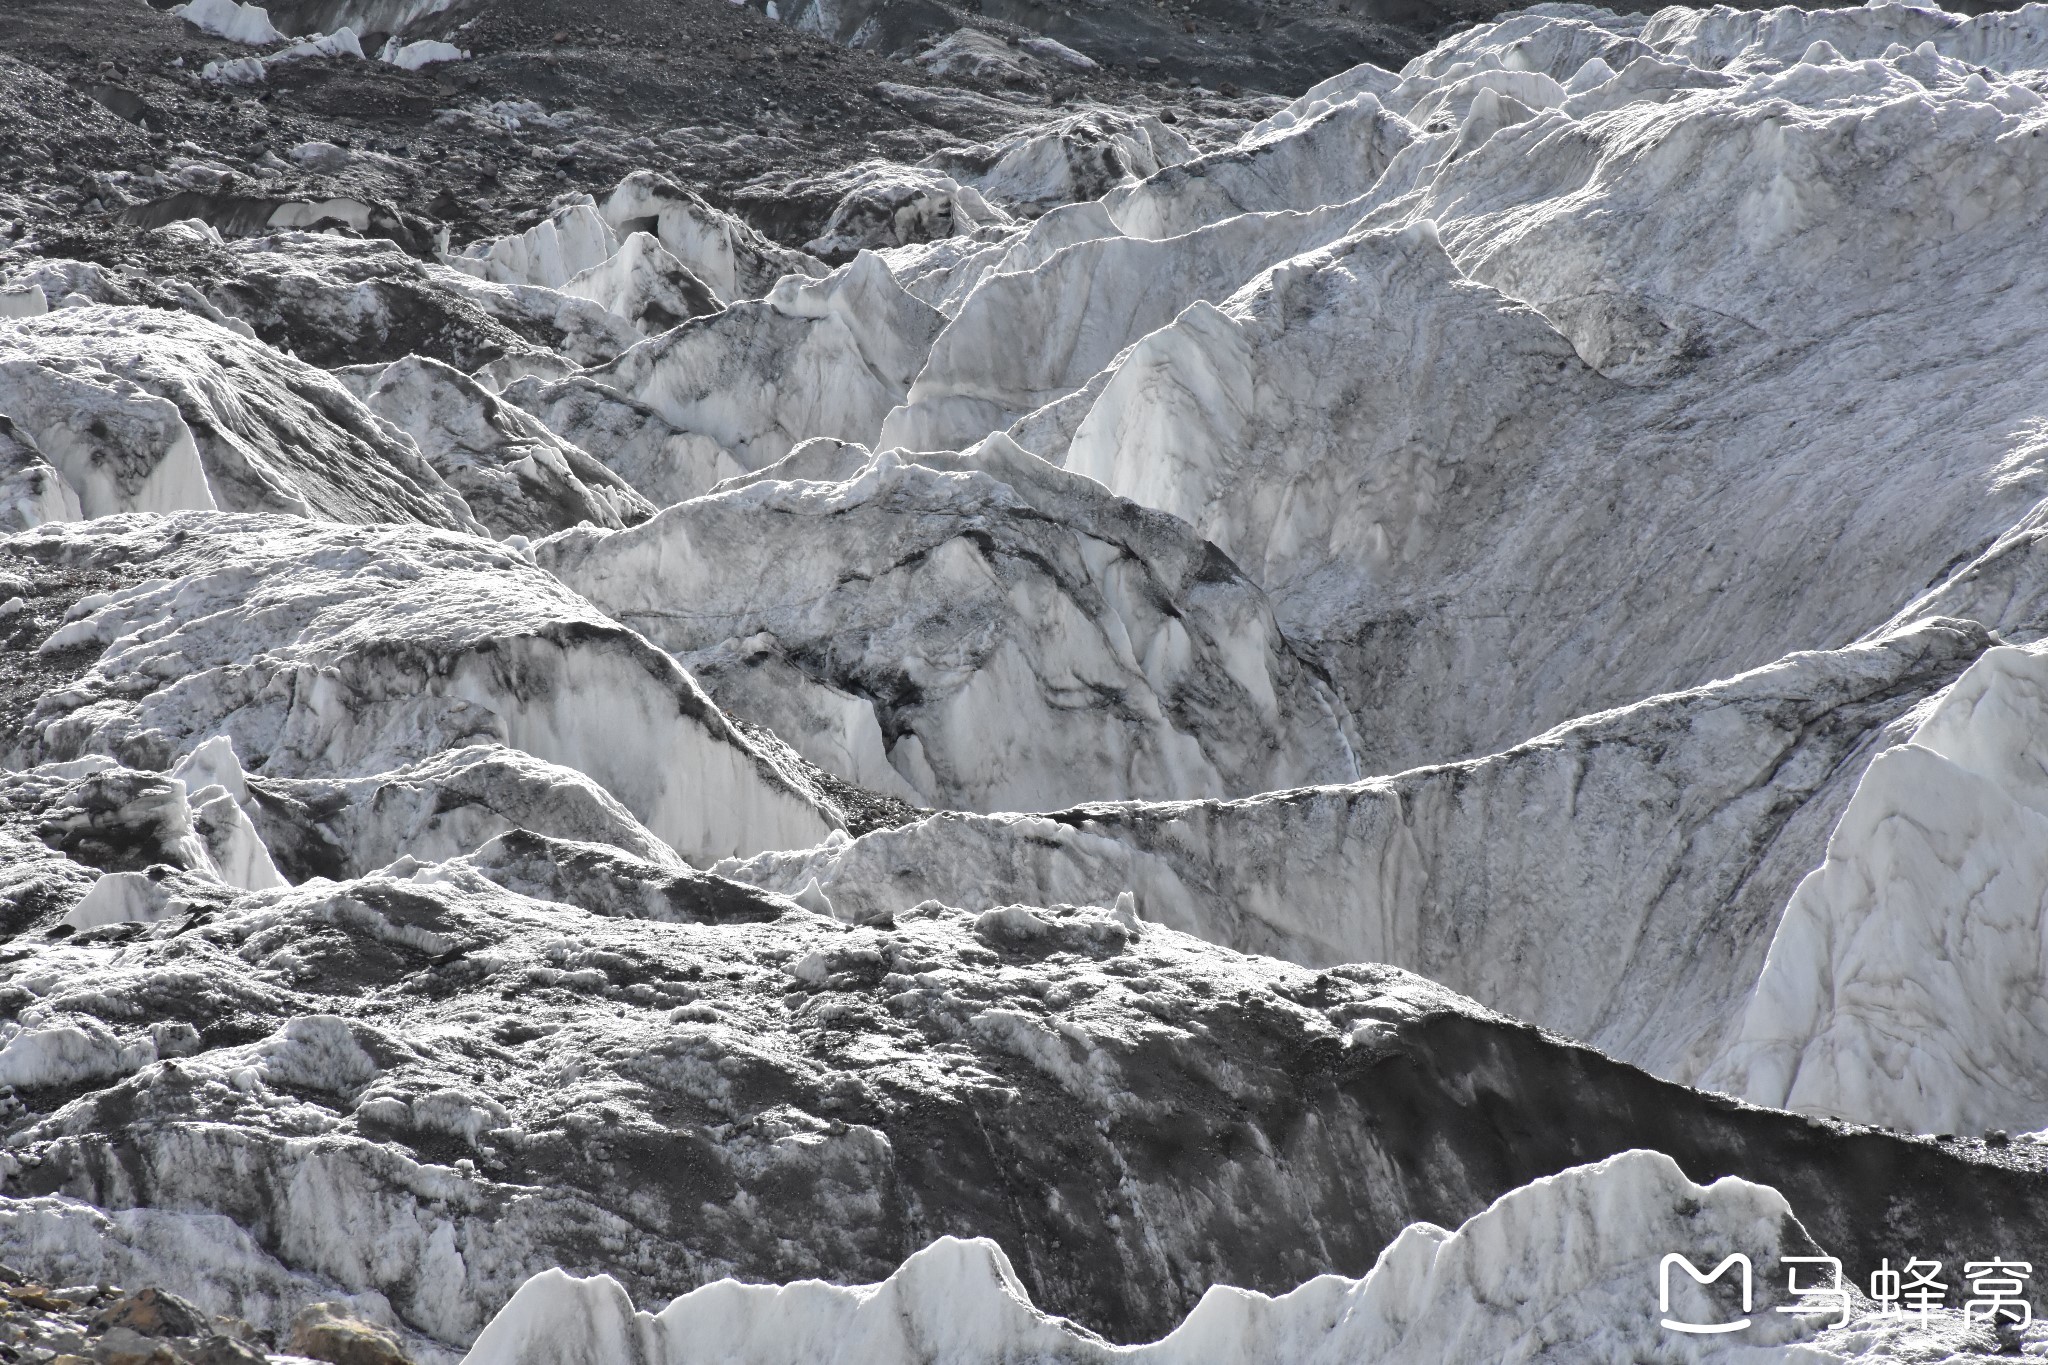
<point>643,283</point>
<point>1331,156</point>
<point>983,56</point>
<point>1555,1266</point>
<point>413,56</point>
<point>1025,338</point>
<point>1634,423</point>
<point>440,807</point>
<point>629,749</point>
<point>195,416</point>
<point>733,260</point>
<point>1674,831</point>
<point>230,19</point>
<point>32,490</point>
<point>885,205</point>
<point>944,273</point>
<point>1228,416</point>
<point>256,70</point>
<point>1021,639</point>
<point>826,357</point>
<point>2006,42</point>
<point>1900,984</point>
<point>517,476</point>
<point>664,462</point>
<point>576,251</point>
<point>331,651</point>
<point>332,301</point>
<point>1075,159</point>
<point>706,1081</point>
<point>572,239</point>
<point>578,330</point>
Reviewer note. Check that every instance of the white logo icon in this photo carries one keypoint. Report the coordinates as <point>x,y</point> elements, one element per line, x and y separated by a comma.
<point>1664,1291</point>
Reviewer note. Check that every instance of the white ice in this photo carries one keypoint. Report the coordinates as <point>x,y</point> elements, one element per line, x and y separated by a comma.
<point>1564,1268</point>
<point>1021,639</point>
<point>1902,986</point>
<point>230,19</point>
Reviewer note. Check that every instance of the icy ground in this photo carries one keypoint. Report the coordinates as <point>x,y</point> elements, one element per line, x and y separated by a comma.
<point>1298,738</point>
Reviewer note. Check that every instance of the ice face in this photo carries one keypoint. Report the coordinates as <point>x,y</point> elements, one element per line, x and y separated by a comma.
<point>147,410</point>
<point>1019,638</point>
<point>1896,983</point>
<point>1573,1247</point>
<point>332,652</point>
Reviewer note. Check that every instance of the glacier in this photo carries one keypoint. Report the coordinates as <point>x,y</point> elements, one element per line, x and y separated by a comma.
<point>1433,1295</point>
<point>1897,985</point>
<point>336,652</point>
<point>698,1069</point>
<point>1308,731</point>
<point>1001,667</point>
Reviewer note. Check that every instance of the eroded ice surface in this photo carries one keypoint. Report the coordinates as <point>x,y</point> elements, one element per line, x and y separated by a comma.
<point>331,651</point>
<point>1902,983</point>
<point>1005,636</point>
<point>1555,1267</point>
